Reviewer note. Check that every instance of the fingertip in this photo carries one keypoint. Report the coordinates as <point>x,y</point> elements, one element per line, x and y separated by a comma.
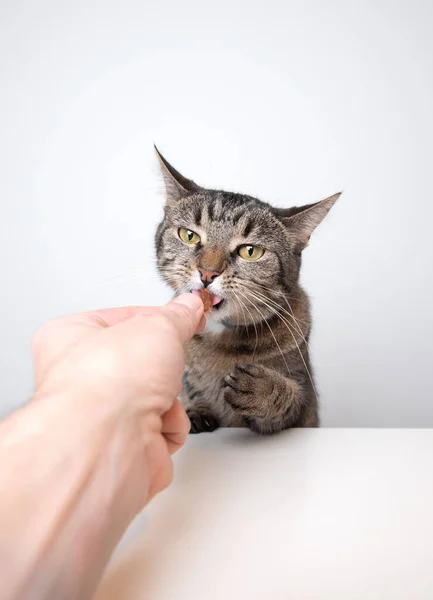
<point>186,312</point>
<point>190,300</point>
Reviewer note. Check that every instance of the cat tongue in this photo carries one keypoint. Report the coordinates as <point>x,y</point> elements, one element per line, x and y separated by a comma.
<point>215,299</point>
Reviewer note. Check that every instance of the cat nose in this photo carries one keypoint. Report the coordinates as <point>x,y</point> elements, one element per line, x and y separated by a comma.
<point>207,276</point>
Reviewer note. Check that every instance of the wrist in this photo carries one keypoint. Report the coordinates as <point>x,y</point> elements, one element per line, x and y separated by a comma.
<point>101,444</point>
<point>88,463</point>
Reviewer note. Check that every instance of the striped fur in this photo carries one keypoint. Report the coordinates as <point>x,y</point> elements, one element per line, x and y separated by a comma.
<point>251,366</point>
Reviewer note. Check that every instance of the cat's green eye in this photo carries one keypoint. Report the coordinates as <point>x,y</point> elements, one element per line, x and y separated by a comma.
<point>249,252</point>
<point>188,236</point>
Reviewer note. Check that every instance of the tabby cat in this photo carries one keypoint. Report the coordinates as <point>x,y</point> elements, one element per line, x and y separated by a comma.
<point>250,367</point>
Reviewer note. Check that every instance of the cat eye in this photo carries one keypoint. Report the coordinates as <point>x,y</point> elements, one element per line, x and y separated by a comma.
<point>188,236</point>
<point>249,252</point>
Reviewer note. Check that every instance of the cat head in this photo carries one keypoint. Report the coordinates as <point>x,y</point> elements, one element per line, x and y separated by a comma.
<point>247,253</point>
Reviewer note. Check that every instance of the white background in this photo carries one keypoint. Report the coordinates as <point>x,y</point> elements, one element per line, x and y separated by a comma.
<point>289,101</point>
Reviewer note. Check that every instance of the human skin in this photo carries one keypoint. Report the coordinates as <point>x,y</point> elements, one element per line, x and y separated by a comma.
<point>94,445</point>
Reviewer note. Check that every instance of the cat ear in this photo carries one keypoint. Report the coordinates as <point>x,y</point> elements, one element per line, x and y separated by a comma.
<point>302,221</point>
<point>176,185</point>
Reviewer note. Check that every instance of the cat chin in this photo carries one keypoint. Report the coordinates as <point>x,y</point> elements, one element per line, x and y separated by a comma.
<point>213,326</point>
<point>215,322</point>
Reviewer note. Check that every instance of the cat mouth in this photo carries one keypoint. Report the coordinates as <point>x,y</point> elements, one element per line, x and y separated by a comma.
<point>218,305</point>
<point>217,301</point>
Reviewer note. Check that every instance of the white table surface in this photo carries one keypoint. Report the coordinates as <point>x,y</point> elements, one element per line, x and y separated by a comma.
<point>309,514</point>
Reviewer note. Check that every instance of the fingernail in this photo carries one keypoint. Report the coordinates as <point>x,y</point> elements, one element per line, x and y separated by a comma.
<point>190,300</point>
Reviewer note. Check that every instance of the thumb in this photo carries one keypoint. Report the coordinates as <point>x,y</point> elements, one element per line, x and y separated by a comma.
<point>186,313</point>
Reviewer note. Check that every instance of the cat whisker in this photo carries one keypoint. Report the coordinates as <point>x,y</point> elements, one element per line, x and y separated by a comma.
<point>268,289</point>
<point>236,326</point>
<point>296,321</point>
<point>290,314</point>
<point>140,265</point>
<point>271,291</point>
<point>270,329</point>
<point>277,309</point>
<point>287,324</point>
<point>139,276</point>
<point>122,279</point>
<point>253,322</point>
<point>237,300</point>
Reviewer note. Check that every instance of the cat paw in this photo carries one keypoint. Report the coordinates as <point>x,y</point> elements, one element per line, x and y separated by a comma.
<point>202,421</point>
<point>247,389</point>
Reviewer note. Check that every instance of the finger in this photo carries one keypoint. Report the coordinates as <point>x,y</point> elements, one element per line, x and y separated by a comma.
<point>56,335</point>
<point>69,328</point>
<point>107,317</point>
<point>202,324</point>
<point>175,426</point>
<point>185,312</point>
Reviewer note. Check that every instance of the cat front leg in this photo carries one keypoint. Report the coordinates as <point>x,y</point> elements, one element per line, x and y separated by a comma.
<point>268,401</point>
<point>201,417</point>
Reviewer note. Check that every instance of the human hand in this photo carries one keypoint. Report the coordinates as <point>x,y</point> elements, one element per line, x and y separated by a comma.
<point>129,363</point>
<point>80,461</point>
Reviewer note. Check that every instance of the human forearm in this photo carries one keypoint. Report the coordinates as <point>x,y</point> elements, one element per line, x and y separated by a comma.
<point>94,446</point>
<point>65,493</point>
